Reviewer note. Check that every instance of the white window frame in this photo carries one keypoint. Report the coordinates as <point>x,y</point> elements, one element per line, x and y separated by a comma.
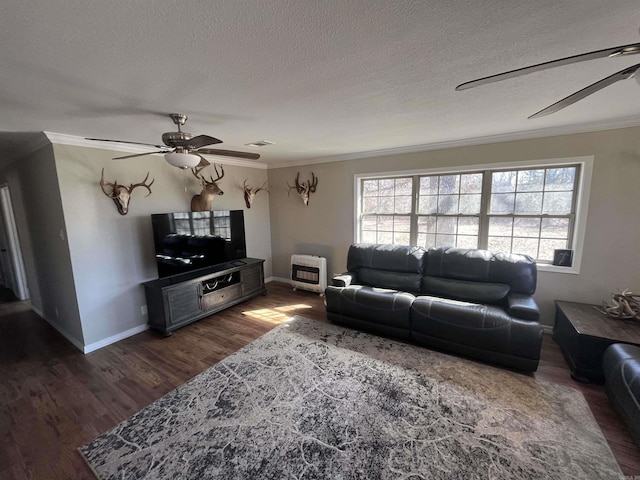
<point>582,197</point>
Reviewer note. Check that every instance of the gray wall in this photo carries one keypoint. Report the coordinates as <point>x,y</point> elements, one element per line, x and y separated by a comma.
<point>35,195</point>
<point>611,257</point>
<point>111,255</point>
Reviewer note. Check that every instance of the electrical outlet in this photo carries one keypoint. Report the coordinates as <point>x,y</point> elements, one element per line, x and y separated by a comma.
<point>143,309</point>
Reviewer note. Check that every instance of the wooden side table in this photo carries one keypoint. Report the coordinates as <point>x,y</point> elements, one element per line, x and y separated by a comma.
<point>584,334</point>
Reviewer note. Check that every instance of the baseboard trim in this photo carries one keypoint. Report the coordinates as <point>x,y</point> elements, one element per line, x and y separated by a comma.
<point>281,279</point>
<point>92,347</point>
<point>74,341</point>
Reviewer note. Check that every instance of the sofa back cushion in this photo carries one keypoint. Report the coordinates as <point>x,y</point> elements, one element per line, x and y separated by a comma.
<point>406,282</point>
<point>476,292</point>
<point>517,271</point>
<point>392,258</point>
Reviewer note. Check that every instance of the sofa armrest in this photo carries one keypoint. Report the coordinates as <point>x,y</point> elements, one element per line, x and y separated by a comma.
<point>523,306</point>
<point>344,279</point>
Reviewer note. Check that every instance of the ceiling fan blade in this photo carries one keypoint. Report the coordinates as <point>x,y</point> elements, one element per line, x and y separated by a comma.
<point>140,154</point>
<point>202,141</point>
<point>630,49</point>
<point>203,161</point>
<point>228,153</point>
<point>585,92</point>
<point>124,141</point>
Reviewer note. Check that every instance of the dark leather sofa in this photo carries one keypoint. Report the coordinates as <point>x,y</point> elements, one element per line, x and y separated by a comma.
<point>466,301</point>
<point>621,366</point>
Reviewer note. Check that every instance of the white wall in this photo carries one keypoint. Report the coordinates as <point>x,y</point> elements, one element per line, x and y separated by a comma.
<point>611,258</point>
<point>112,254</point>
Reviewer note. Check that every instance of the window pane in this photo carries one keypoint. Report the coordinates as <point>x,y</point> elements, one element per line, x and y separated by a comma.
<point>446,225</point>
<point>445,240</point>
<point>468,226</point>
<point>557,202</point>
<point>547,246</point>
<point>401,238</point>
<point>529,203</point>
<point>502,203</point>
<point>448,204</point>
<point>404,186</point>
<point>560,179</point>
<point>369,222</point>
<point>530,180</point>
<point>465,241</point>
<point>402,224</point>
<point>429,185</point>
<point>526,227</point>
<point>555,228</point>
<point>370,205</point>
<point>403,205</point>
<point>387,186</point>
<point>525,246</point>
<point>503,182</point>
<point>470,204</point>
<point>449,184</point>
<point>426,240</point>
<point>500,227</point>
<point>385,223</point>
<point>471,183</point>
<point>370,188</point>
<point>369,237</point>
<point>385,205</point>
<point>385,237</point>
<point>427,224</point>
<point>428,204</point>
<point>499,244</point>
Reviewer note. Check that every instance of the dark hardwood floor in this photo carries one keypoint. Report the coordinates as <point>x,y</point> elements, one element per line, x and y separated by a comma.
<point>54,399</point>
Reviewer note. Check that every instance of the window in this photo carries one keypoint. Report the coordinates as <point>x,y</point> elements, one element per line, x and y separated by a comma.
<point>525,209</point>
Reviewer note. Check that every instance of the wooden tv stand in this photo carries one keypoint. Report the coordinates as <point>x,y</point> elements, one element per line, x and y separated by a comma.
<point>179,300</point>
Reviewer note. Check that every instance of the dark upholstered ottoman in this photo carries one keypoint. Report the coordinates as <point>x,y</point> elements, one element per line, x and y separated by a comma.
<point>621,366</point>
<point>484,332</point>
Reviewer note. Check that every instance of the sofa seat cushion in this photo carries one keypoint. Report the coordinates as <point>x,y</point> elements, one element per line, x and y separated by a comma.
<point>375,305</point>
<point>409,282</point>
<point>477,292</point>
<point>482,327</point>
<point>621,366</point>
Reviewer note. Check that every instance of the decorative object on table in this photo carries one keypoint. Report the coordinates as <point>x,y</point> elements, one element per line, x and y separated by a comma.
<point>314,400</point>
<point>623,50</point>
<point>120,194</point>
<point>624,305</point>
<point>250,192</point>
<point>304,189</point>
<point>203,202</point>
<point>182,149</point>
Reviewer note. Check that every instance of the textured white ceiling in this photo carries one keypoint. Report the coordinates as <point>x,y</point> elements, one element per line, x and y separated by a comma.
<point>318,78</point>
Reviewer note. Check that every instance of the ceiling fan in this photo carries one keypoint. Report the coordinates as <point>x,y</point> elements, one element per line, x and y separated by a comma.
<point>182,149</point>
<point>622,50</point>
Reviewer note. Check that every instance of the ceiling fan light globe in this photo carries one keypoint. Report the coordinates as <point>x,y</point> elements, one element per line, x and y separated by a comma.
<point>182,160</point>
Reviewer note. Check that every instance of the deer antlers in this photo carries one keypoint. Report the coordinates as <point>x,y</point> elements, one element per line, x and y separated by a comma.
<point>121,194</point>
<point>250,193</point>
<point>196,172</point>
<point>304,188</point>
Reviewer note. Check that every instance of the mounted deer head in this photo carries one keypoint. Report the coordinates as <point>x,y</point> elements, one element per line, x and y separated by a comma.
<point>250,193</point>
<point>203,202</point>
<point>121,194</point>
<point>304,188</point>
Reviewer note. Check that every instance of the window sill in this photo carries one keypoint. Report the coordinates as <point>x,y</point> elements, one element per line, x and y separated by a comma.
<point>544,267</point>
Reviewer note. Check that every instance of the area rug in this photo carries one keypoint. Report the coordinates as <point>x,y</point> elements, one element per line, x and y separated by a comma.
<point>311,400</point>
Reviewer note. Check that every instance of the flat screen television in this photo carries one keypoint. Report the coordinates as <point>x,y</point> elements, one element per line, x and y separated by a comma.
<point>188,241</point>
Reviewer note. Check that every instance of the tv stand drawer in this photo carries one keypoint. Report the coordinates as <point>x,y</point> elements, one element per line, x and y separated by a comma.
<point>220,297</point>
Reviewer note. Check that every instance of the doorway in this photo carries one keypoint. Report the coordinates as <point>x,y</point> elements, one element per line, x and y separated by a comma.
<point>12,271</point>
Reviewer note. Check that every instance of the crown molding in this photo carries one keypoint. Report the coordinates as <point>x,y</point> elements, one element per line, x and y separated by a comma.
<point>73,140</point>
<point>468,142</point>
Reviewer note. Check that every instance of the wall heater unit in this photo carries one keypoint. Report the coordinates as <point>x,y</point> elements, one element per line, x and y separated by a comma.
<point>309,272</point>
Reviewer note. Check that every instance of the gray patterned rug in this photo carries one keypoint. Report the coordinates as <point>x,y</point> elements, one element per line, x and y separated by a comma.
<point>311,400</point>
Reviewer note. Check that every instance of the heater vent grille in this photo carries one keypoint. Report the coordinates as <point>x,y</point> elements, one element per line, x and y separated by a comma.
<point>309,272</point>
